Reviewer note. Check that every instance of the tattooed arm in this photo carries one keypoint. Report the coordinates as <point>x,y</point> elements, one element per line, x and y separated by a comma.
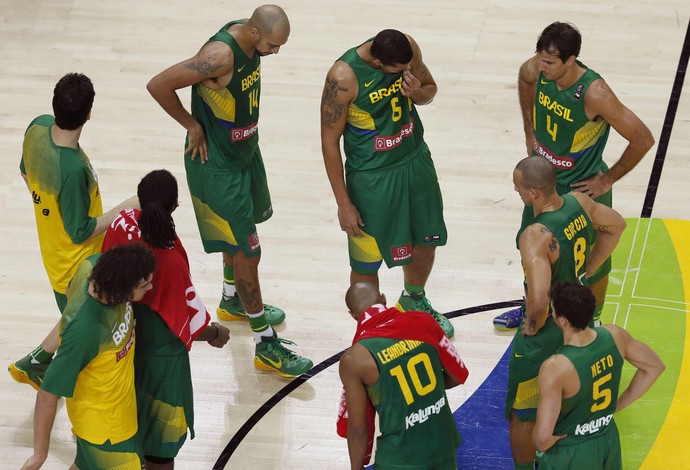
<point>538,249</point>
<point>339,91</point>
<point>609,225</point>
<point>214,60</point>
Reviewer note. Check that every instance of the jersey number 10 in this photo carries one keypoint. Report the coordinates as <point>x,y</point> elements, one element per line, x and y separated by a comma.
<point>411,366</point>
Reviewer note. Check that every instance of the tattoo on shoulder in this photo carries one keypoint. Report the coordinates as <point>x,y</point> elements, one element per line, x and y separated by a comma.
<point>603,228</point>
<point>331,107</point>
<point>553,243</point>
<point>203,67</point>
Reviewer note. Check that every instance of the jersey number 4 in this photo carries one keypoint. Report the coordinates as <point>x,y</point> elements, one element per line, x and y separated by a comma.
<point>423,360</point>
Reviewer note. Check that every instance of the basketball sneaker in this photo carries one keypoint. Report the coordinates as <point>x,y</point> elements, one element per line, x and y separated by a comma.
<point>509,320</point>
<point>232,309</point>
<point>25,371</point>
<point>408,303</point>
<point>271,355</point>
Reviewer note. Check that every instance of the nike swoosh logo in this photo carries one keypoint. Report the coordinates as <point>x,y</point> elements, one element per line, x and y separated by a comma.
<point>543,82</point>
<point>241,68</point>
<point>277,365</point>
<point>368,83</point>
<point>519,355</point>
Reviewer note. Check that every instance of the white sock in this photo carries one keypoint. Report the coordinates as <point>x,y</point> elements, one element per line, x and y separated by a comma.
<point>228,290</point>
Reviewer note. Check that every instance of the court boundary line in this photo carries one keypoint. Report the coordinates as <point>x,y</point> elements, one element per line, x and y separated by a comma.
<point>291,386</point>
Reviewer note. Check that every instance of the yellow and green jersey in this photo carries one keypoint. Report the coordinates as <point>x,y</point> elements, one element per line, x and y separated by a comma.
<point>382,127</point>
<point>64,190</point>
<point>563,132</point>
<point>94,365</point>
<point>230,115</point>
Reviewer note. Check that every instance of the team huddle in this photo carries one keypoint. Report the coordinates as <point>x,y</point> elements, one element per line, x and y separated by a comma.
<point>131,313</point>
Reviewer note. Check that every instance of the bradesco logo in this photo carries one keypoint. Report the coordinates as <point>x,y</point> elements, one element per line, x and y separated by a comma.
<point>382,143</point>
<point>243,133</point>
<point>563,163</point>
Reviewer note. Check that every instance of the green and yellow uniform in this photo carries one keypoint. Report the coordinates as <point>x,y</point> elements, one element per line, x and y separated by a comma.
<point>390,176</point>
<point>230,192</point>
<point>575,233</point>
<point>572,142</point>
<point>416,424</point>
<point>64,189</point>
<point>94,370</point>
<point>587,417</point>
<point>163,381</point>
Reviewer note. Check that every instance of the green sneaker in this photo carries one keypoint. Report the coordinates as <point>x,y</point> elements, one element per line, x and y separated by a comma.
<point>232,309</point>
<point>406,303</point>
<point>26,372</point>
<point>270,354</point>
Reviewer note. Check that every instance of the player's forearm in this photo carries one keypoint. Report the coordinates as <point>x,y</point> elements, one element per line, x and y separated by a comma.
<point>641,382</point>
<point>526,93</point>
<point>44,416</point>
<point>602,249</point>
<point>333,162</point>
<point>536,310</point>
<point>171,104</point>
<point>425,94</point>
<point>357,447</point>
<point>632,155</point>
<point>104,221</point>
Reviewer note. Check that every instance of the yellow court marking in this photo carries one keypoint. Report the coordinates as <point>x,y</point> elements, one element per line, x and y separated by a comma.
<point>669,450</point>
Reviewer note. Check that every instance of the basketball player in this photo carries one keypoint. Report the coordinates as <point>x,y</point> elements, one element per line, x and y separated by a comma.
<point>578,386</point>
<point>94,369</point>
<point>67,203</point>
<point>225,171</point>
<point>389,200</point>
<point>557,246</point>
<point>401,365</point>
<point>567,111</point>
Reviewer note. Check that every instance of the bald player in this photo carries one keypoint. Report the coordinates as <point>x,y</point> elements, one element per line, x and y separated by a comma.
<point>225,171</point>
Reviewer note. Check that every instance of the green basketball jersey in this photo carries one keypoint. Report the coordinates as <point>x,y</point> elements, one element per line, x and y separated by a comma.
<point>67,201</point>
<point>590,411</point>
<point>382,126</point>
<point>575,234</point>
<point>415,420</point>
<point>564,133</point>
<point>230,115</point>
<point>94,365</point>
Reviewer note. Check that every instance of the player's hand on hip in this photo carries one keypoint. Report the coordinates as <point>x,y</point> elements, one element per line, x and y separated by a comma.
<point>595,186</point>
<point>350,221</point>
<point>531,327</point>
<point>197,143</point>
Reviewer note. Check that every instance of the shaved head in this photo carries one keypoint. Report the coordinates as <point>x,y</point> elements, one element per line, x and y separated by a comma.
<point>270,18</point>
<point>537,173</point>
<point>360,296</point>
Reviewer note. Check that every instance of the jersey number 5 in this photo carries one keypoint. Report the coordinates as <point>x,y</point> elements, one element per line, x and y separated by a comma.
<point>411,366</point>
<point>599,393</point>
